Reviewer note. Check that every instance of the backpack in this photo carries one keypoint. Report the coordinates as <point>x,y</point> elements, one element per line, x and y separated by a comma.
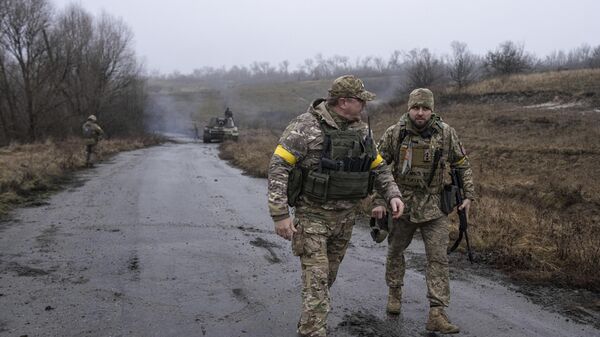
<point>88,131</point>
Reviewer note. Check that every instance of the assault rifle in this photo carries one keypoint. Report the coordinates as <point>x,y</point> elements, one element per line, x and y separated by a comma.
<point>462,216</point>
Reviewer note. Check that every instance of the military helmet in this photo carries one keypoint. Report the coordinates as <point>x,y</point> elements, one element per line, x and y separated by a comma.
<point>91,118</point>
<point>421,97</point>
<point>350,86</point>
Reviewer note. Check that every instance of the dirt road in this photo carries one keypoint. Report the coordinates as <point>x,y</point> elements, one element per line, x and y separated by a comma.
<point>171,241</point>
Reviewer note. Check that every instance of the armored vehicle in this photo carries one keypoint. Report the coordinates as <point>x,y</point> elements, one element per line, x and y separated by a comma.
<point>220,129</point>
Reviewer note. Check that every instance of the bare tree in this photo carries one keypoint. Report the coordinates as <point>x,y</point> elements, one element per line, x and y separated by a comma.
<point>56,69</point>
<point>284,67</point>
<point>557,60</point>
<point>462,65</point>
<point>379,64</point>
<point>508,58</point>
<point>24,39</point>
<point>594,61</point>
<point>424,68</point>
<point>394,61</point>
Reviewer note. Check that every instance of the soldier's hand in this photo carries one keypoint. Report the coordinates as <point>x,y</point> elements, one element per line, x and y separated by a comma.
<point>285,228</point>
<point>466,204</point>
<point>378,212</point>
<point>397,207</point>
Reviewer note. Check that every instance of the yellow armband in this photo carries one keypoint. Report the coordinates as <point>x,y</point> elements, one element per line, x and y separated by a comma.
<point>285,155</point>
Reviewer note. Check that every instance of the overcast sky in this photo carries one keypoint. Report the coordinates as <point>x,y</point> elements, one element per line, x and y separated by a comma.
<point>187,34</point>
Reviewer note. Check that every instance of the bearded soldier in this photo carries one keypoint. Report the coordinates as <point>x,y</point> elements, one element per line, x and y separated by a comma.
<point>92,133</point>
<point>324,164</point>
<point>419,148</point>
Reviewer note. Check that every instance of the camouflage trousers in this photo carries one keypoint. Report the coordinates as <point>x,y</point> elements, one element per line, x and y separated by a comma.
<point>90,154</point>
<point>435,238</point>
<point>321,242</point>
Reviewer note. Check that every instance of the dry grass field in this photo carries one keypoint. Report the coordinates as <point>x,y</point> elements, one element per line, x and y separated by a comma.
<point>28,171</point>
<point>534,143</point>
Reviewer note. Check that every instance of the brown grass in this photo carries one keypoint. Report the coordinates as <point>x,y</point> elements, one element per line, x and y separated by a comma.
<point>536,171</point>
<point>29,170</point>
<point>252,152</point>
<point>572,81</point>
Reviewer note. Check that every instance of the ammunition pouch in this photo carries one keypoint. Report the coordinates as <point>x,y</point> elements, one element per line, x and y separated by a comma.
<point>448,198</point>
<point>294,186</point>
<point>337,185</point>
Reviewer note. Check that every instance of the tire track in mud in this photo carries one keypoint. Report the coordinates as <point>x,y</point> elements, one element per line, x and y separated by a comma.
<point>133,265</point>
<point>262,243</point>
<point>250,308</point>
<point>27,271</point>
<point>363,324</point>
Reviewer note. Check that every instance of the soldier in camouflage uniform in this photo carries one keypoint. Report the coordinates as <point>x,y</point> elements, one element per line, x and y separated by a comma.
<point>322,227</point>
<point>92,133</point>
<point>419,148</point>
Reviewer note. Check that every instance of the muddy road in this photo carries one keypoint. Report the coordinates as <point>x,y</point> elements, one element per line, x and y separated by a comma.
<point>172,241</point>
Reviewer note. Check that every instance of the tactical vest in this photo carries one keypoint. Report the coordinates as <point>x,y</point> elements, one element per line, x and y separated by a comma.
<point>344,169</point>
<point>421,158</point>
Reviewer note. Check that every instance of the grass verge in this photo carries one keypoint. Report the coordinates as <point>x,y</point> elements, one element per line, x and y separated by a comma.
<point>29,171</point>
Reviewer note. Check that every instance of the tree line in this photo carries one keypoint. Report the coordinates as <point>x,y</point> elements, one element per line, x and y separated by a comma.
<point>418,67</point>
<point>57,68</point>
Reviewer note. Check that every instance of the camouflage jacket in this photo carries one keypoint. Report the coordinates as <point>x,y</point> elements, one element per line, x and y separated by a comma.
<point>302,144</point>
<point>92,132</point>
<point>417,171</point>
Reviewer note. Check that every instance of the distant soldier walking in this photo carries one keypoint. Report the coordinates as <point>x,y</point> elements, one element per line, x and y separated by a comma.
<point>419,148</point>
<point>92,133</point>
<point>324,164</point>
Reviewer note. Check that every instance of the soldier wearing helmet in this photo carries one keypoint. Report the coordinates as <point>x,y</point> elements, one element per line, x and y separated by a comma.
<point>420,148</point>
<point>92,134</point>
<point>324,164</point>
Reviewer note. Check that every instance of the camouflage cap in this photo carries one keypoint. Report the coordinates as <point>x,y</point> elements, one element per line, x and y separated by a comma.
<point>350,86</point>
<point>91,118</point>
<point>421,97</point>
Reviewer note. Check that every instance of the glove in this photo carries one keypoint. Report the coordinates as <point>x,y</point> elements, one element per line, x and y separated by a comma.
<point>380,227</point>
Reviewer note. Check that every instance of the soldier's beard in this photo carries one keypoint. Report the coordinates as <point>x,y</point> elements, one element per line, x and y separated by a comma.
<point>419,123</point>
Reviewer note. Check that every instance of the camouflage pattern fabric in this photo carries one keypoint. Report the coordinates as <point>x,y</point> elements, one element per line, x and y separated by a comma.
<point>94,135</point>
<point>324,229</point>
<point>350,86</point>
<point>321,243</point>
<point>435,238</point>
<point>303,139</point>
<point>421,97</point>
<point>411,152</point>
<point>412,161</point>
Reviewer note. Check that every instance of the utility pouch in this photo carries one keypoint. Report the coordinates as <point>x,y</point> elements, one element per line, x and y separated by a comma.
<point>348,185</point>
<point>448,198</point>
<point>298,239</point>
<point>316,185</point>
<point>294,187</point>
<point>371,182</point>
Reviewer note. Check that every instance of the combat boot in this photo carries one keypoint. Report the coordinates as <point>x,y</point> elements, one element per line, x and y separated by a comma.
<point>394,303</point>
<point>438,321</point>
